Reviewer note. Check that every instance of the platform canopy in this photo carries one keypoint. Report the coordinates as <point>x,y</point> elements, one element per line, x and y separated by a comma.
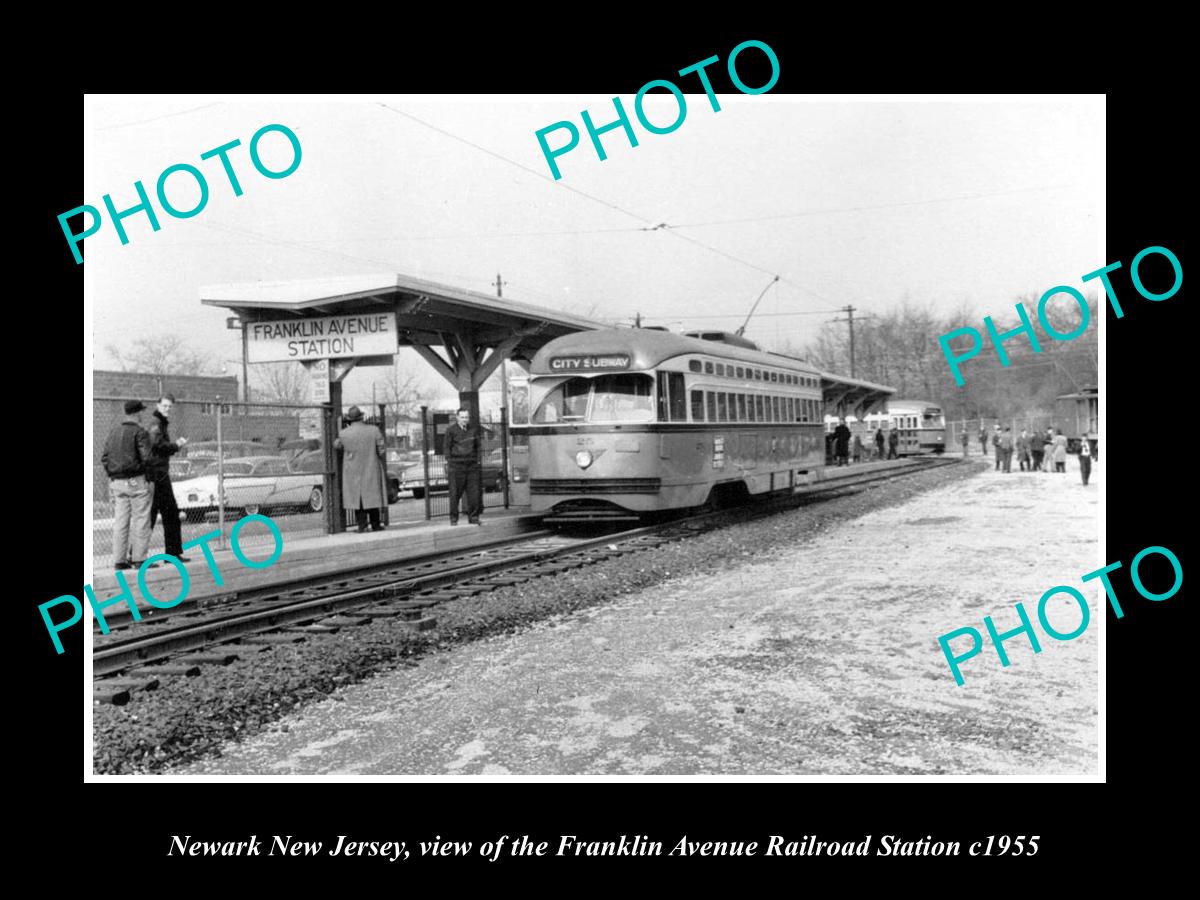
<point>463,334</point>
<point>851,396</point>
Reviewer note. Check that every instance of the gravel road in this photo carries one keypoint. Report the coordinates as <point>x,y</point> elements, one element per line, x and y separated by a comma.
<point>822,658</point>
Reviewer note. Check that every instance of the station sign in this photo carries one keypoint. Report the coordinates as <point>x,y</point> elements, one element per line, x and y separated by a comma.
<point>591,363</point>
<point>318,374</point>
<point>326,337</point>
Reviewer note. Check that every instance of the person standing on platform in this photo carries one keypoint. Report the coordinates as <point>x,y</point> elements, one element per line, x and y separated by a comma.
<point>1023,458</point>
<point>1037,444</point>
<point>1006,450</point>
<point>463,467</point>
<point>879,443</point>
<point>893,443</point>
<point>364,489</point>
<point>158,473</point>
<point>1060,451</point>
<point>996,446</point>
<point>124,459</point>
<point>983,438</point>
<point>965,437</point>
<point>841,442</point>
<point>1085,460</point>
<point>858,448</point>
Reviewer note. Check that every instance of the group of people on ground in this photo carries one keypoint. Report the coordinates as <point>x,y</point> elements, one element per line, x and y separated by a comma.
<point>137,462</point>
<point>1035,450</point>
<point>842,444</point>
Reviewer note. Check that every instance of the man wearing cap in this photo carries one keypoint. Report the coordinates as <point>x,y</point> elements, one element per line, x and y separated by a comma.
<point>124,459</point>
<point>364,488</point>
<point>158,472</point>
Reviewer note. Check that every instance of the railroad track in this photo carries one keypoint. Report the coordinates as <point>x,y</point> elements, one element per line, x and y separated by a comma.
<point>139,656</point>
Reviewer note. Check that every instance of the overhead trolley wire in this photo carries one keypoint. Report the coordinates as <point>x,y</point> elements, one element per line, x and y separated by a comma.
<point>661,226</point>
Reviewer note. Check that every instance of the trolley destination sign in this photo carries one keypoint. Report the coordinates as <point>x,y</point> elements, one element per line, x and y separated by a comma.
<point>589,363</point>
<point>327,337</point>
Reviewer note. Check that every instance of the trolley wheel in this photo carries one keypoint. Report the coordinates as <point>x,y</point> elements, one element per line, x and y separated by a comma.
<point>316,500</point>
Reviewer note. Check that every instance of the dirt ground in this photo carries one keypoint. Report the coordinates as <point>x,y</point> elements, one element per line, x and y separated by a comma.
<point>820,660</point>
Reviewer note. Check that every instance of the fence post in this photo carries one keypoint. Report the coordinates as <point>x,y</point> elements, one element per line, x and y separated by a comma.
<point>504,452</point>
<point>335,521</point>
<point>425,458</point>
<point>383,430</point>
<point>220,478</point>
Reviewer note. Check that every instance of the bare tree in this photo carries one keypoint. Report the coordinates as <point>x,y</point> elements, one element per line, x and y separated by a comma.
<point>283,382</point>
<point>403,390</point>
<point>164,354</point>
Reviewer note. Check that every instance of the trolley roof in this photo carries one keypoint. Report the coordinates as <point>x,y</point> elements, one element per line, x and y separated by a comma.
<point>649,348</point>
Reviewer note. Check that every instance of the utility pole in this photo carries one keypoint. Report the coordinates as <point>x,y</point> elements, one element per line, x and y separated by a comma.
<point>637,321</point>
<point>499,285</point>
<point>849,311</point>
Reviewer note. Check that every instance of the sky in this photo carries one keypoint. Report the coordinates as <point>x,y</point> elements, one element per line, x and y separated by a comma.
<point>942,202</point>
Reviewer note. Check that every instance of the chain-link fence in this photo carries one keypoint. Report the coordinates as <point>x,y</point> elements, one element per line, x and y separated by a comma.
<point>431,484</point>
<point>238,459</point>
<point>269,458</point>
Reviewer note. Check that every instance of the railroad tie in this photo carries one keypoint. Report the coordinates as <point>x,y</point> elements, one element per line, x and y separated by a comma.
<point>104,692</point>
<point>273,638</point>
<point>210,657</point>
<point>341,621</point>
<point>167,669</point>
<point>130,684</point>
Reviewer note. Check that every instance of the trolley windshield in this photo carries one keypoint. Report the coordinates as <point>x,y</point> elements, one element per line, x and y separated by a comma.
<point>607,398</point>
<point>933,417</point>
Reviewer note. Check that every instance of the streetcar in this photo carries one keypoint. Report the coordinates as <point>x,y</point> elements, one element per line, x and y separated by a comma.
<point>921,427</point>
<point>1079,417</point>
<point>626,422</point>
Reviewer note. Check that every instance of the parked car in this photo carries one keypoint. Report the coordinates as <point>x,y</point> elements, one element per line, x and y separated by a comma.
<point>254,484</point>
<point>184,468</point>
<point>412,478</point>
<point>204,451</point>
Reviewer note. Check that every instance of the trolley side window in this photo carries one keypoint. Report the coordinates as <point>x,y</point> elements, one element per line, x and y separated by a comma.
<point>672,397</point>
<point>697,406</point>
<point>711,404</point>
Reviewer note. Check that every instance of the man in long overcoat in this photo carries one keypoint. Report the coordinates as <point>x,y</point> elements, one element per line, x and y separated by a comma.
<point>841,442</point>
<point>364,485</point>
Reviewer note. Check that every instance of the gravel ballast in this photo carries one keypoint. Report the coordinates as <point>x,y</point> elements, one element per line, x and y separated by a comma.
<point>189,718</point>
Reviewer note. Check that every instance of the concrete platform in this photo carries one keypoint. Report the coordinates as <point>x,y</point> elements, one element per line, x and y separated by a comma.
<point>314,556</point>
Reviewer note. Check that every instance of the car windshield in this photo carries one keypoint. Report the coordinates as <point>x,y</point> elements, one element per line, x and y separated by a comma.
<point>231,468</point>
<point>608,398</point>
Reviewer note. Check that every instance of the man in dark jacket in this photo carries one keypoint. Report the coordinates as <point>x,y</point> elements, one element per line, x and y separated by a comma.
<point>893,443</point>
<point>841,442</point>
<point>879,443</point>
<point>124,460</point>
<point>463,468</point>
<point>1037,444</point>
<point>158,472</point>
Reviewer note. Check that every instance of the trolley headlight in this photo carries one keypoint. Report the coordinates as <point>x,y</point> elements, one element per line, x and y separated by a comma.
<point>583,458</point>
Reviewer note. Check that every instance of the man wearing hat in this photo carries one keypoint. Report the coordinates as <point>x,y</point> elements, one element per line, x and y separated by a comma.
<point>364,486</point>
<point>124,459</point>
